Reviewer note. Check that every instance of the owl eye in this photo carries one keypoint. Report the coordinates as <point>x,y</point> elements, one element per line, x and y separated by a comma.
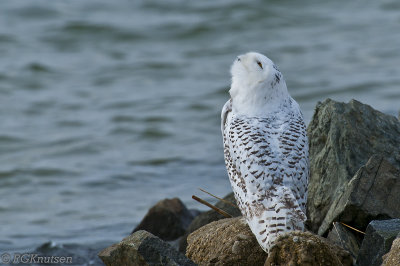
<point>259,64</point>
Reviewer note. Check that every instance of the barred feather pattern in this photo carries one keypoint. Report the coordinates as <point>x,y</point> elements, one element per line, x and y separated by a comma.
<point>267,163</point>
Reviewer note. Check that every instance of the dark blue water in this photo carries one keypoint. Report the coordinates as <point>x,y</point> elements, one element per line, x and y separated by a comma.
<point>108,106</point>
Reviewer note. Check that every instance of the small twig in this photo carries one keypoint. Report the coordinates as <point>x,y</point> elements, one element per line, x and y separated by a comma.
<point>353,228</point>
<point>212,207</point>
<point>226,201</point>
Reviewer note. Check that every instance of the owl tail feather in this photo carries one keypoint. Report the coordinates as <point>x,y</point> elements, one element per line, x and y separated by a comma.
<point>280,214</point>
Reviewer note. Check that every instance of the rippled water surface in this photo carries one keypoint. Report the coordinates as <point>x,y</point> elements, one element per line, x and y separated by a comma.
<point>108,106</point>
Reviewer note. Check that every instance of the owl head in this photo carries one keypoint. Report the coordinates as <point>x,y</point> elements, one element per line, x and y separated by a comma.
<point>254,69</point>
<point>256,82</point>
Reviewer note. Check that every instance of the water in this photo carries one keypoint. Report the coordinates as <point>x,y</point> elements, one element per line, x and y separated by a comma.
<point>108,106</point>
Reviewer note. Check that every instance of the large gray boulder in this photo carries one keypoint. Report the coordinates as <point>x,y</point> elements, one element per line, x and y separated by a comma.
<point>142,249</point>
<point>377,242</point>
<point>342,138</point>
<point>372,194</point>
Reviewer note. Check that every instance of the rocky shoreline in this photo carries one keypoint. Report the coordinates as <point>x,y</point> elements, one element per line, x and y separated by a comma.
<point>355,181</point>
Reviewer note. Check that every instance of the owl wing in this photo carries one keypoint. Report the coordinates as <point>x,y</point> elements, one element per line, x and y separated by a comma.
<point>236,179</point>
<point>293,144</point>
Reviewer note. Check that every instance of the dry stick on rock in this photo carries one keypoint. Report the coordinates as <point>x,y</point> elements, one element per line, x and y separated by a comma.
<point>212,207</point>
<point>353,228</point>
<point>226,201</point>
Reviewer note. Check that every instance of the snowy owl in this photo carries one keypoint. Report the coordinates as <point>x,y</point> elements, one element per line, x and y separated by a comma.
<point>266,149</point>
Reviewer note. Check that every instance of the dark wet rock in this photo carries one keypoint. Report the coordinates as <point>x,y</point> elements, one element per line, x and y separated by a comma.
<point>168,219</point>
<point>225,242</point>
<point>142,248</point>
<point>342,139</point>
<point>210,216</point>
<point>392,258</point>
<point>372,194</point>
<point>305,248</point>
<point>343,237</point>
<point>377,241</point>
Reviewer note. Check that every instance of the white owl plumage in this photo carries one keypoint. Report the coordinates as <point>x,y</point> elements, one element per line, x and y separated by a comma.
<point>266,149</point>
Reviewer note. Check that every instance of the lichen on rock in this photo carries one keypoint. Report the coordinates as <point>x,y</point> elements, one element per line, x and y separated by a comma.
<point>305,248</point>
<point>225,242</point>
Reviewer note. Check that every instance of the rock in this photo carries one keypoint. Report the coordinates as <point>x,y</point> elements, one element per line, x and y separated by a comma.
<point>372,194</point>
<point>74,254</point>
<point>392,258</point>
<point>377,241</point>
<point>210,216</point>
<point>225,242</point>
<point>142,248</point>
<point>342,138</point>
<point>305,248</point>
<point>168,219</point>
<point>342,237</point>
